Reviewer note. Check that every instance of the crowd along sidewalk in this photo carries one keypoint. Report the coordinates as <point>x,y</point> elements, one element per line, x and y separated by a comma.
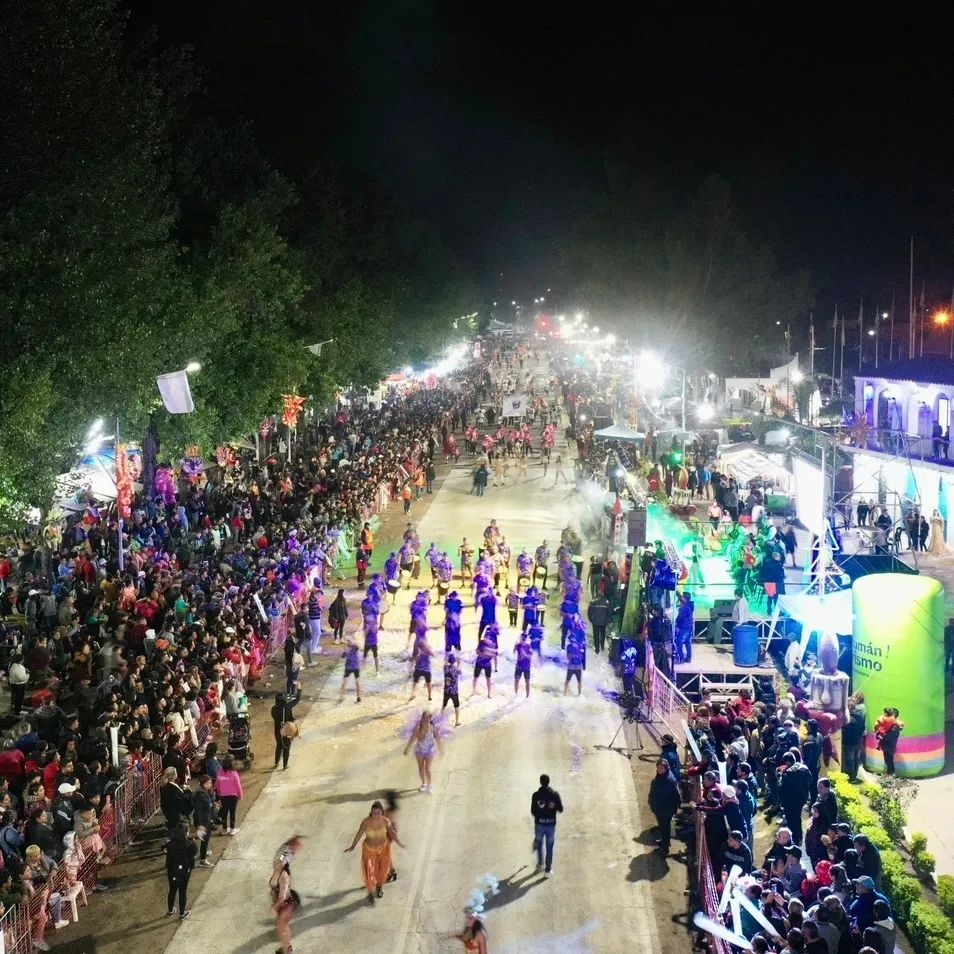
<point>132,911</point>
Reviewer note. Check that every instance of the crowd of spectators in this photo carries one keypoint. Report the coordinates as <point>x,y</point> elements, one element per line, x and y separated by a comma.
<point>106,665</point>
<point>817,887</point>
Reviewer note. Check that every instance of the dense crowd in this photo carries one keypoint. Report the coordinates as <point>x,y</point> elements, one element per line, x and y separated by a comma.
<point>106,665</point>
<point>817,887</point>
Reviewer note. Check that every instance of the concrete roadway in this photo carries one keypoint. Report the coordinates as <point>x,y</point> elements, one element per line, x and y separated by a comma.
<point>477,820</point>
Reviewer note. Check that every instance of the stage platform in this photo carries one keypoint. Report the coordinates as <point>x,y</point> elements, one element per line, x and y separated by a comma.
<point>712,669</point>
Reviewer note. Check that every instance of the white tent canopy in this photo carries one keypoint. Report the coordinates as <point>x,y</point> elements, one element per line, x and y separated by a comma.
<point>747,461</point>
<point>619,432</point>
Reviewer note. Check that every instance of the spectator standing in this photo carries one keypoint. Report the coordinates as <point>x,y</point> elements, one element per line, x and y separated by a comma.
<point>664,801</point>
<point>793,788</point>
<point>228,786</point>
<point>203,801</point>
<point>598,614</point>
<point>545,805</point>
<point>180,860</point>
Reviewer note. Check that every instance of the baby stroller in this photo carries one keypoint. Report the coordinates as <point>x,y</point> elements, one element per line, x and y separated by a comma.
<point>240,738</point>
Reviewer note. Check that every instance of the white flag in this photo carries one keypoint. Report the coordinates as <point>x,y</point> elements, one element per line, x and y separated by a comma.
<point>176,395</point>
<point>515,406</point>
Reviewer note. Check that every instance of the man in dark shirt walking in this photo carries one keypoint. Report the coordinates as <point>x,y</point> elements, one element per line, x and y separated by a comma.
<point>544,805</point>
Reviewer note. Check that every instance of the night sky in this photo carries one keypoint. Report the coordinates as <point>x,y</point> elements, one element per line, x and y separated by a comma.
<point>496,121</point>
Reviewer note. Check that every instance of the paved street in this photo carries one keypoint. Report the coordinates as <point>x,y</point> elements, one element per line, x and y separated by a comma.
<point>476,821</point>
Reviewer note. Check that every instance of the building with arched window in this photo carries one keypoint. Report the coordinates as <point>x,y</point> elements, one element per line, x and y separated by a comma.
<point>905,404</point>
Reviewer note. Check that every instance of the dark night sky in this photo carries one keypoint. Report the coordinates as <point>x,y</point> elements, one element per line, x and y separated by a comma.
<point>496,120</point>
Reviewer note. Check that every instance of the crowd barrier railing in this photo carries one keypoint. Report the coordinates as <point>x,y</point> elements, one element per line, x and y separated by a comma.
<point>128,810</point>
<point>669,704</point>
<point>708,894</point>
<point>673,709</point>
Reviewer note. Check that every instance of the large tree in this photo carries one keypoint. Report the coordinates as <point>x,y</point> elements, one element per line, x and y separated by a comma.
<point>683,274</point>
<point>137,233</point>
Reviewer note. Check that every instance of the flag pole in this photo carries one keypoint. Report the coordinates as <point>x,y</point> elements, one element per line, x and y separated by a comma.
<point>921,352</point>
<point>861,332</point>
<point>877,333</point>
<point>811,341</point>
<point>891,345</point>
<point>841,372</point>
<point>911,328</point>
<point>834,350</point>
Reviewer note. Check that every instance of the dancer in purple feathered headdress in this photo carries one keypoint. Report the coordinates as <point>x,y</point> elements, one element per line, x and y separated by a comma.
<point>426,733</point>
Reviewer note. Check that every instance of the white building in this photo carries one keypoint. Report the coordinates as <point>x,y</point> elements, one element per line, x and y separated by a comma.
<point>903,401</point>
<point>897,461</point>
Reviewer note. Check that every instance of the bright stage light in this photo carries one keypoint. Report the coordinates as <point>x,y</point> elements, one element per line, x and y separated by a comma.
<point>650,372</point>
<point>705,412</point>
<point>797,376</point>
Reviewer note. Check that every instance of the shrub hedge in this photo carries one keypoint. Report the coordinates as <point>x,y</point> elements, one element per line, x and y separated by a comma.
<point>880,816</point>
<point>945,894</point>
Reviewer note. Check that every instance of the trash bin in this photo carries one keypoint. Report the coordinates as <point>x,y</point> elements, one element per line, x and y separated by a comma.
<point>578,566</point>
<point>745,644</point>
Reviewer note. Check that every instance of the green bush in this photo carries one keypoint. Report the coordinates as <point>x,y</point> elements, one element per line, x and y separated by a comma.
<point>924,862</point>
<point>890,810</point>
<point>929,928</point>
<point>945,894</point>
<point>902,890</point>
<point>877,836</point>
<point>918,843</point>
<point>859,816</point>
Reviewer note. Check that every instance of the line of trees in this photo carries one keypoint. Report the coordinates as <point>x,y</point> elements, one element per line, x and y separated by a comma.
<point>682,274</point>
<point>138,233</point>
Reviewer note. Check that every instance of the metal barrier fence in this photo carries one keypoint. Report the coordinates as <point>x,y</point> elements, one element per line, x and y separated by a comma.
<point>669,704</point>
<point>128,810</point>
<point>708,895</point>
<point>673,708</point>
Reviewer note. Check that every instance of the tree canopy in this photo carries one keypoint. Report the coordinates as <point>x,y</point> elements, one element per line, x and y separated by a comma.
<point>684,272</point>
<point>138,233</point>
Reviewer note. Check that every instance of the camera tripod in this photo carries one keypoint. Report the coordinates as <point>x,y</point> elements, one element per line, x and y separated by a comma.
<point>631,704</point>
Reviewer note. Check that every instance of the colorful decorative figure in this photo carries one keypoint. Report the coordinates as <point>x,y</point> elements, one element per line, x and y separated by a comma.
<point>165,485</point>
<point>293,405</point>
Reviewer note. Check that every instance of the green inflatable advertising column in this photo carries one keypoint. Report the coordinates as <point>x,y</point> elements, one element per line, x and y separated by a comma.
<point>899,663</point>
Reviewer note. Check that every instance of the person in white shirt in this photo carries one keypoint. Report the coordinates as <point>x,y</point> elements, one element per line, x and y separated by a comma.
<point>740,612</point>
<point>793,657</point>
<point>18,677</point>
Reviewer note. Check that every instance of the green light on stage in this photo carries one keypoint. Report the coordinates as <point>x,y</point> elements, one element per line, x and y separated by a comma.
<point>675,458</point>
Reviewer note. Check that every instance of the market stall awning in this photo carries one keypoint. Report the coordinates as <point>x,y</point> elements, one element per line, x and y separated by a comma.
<point>619,432</point>
<point>747,461</point>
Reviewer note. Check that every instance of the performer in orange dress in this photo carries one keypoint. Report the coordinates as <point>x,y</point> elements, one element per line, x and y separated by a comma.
<point>378,833</point>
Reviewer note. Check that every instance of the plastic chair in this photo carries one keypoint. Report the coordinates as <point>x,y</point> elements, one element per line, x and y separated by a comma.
<point>77,890</point>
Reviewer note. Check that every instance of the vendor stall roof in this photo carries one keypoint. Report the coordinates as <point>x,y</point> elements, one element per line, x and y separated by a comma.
<point>619,432</point>
<point>746,461</point>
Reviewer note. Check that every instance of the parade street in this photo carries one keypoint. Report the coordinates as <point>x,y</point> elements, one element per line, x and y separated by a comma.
<point>477,819</point>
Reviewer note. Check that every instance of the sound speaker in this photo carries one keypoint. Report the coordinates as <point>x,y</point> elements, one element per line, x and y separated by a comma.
<point>636,528</point>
